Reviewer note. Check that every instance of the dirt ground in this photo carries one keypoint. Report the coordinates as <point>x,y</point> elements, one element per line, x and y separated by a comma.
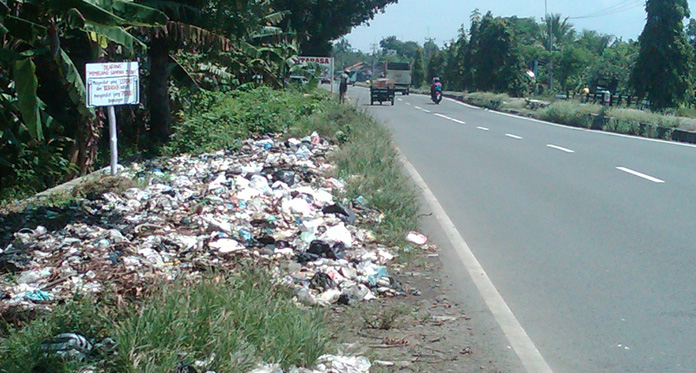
<point>439,329</point>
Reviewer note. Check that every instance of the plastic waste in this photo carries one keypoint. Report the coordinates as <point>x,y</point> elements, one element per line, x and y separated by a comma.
<point>68,345</point>
<point>338,233</point>
<point>416,238</point>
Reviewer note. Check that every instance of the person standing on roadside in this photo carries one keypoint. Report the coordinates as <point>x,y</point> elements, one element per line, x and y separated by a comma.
<point>343,85</point>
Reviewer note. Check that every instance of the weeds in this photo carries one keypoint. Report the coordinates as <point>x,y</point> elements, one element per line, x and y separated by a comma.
<point>217,121</point>
<point>488,100</point>
<point>241,320</point>
<point>570,113</point>
<point>376,317</point>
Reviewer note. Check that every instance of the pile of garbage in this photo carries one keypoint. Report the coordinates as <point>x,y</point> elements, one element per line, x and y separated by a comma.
<point>272,201</point>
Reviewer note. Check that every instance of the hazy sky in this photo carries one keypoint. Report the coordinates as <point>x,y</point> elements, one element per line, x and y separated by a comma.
<point>441,19</point>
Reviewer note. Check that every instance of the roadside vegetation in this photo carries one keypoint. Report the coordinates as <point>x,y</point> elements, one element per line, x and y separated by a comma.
<point>240,318</point>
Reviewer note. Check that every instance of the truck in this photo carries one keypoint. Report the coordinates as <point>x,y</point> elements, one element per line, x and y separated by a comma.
<point>400,73</point>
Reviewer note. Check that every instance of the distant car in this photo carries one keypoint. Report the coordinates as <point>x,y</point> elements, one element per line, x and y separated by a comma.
<point>298,79</point>
<point>325,80</point>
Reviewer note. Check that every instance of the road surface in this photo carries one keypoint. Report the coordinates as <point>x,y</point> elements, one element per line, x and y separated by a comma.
<point>589,237</point>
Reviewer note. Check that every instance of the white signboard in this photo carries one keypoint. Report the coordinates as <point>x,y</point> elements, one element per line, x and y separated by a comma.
<point>326,63</point>
<point>114,83</point>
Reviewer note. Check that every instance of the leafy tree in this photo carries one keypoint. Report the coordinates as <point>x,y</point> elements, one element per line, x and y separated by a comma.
<point>612,69</point>
<point>594,42</point>
<point>571,67</point>
<point>455,61</point>
<point>418,69</point>
<point>664,66</point>
<point>318,22</point>
<point>436,65</point>
<point>469,75</point>
<point>498,66</point>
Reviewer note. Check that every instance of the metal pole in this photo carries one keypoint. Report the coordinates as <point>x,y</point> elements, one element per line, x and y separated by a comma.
<point>113,140</point>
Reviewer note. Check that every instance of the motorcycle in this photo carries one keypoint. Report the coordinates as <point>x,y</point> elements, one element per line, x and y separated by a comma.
<point>436,94</point>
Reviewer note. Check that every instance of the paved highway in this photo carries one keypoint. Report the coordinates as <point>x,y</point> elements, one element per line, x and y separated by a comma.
<point>589,237</point>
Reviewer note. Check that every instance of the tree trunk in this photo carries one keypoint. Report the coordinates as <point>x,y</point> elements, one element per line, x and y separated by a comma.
<point>158,90</point>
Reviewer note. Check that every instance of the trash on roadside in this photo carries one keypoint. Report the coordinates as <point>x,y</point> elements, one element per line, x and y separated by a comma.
<point>68,346</point>
<point>271,201</point>
<point>416,238</point>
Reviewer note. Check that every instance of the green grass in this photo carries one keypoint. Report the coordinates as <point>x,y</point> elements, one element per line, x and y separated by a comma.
<point>242,319</point>
<point>219,121</point>
<point>488,100</point>
<point>570,113</point>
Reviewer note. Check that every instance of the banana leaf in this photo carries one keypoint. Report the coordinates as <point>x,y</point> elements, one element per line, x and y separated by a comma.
<point>117,35</point>
<point>135,14</point>
<point>173,9</point>
<point>277,17</point>
<point>74,85</point>
<point>22,29</point>
<point>91,12</point>
<point>26,84</point>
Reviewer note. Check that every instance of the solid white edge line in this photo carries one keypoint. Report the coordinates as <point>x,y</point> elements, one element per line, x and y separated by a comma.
<point>513,136</point>
<point>463,103</point>
<point>593,131</point>
<point>483,128</point>
<point>639,174</point>
<point>560,148</point>
<point>519,340</point>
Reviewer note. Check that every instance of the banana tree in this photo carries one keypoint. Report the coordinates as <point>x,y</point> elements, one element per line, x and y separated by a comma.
<point>221,33</point>
<point>45,44</point>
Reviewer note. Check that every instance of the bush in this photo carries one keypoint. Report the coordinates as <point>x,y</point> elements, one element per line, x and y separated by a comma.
<point>217,121</point>
<point>569,113</point>
<point>488,100</point>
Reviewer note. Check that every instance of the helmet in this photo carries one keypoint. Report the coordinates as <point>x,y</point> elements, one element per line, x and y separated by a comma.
<point>436,79</point>
<point>346,71</point>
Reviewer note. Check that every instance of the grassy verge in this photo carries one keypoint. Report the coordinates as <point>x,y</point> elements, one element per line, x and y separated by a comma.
<point>569,113</point>
<point>242,318</point>
<point>488,100</point>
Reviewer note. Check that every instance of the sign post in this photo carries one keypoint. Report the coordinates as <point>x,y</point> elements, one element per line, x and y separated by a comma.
<point>110,84</point>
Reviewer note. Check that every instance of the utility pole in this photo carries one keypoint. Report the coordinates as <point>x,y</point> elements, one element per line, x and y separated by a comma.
<point>374,52</point>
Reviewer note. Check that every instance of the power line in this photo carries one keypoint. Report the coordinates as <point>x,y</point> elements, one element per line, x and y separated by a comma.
<point>619,7</point>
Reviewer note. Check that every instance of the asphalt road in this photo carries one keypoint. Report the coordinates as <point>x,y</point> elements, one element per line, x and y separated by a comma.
<point>589,237</point>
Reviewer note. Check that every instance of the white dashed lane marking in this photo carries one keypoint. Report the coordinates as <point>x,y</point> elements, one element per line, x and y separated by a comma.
<point>482,128</point>
<point>513,136</point>
<point>640,174</point>
<point>560,148</point>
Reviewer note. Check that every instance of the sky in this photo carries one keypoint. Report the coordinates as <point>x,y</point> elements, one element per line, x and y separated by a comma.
<point>416,20</point>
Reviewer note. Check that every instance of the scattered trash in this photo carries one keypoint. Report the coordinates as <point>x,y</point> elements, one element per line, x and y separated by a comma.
<point>271,200</point>
<point>416,238</point>
<point>68,346</point>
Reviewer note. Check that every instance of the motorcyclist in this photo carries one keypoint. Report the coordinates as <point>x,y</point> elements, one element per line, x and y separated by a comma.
<point>436,86</point>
